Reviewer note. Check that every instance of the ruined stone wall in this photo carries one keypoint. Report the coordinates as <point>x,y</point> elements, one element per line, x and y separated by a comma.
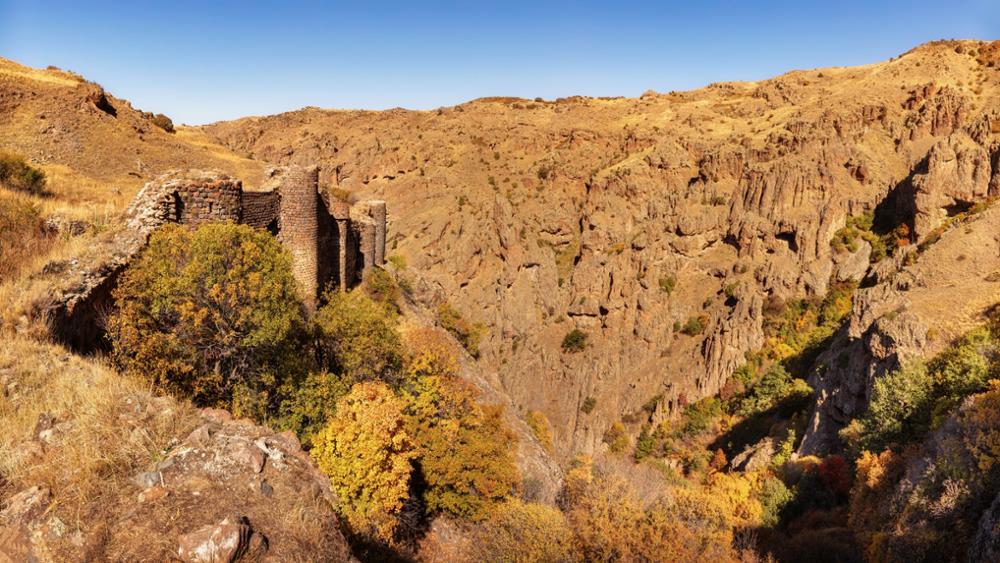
<point>331,243</point>
<point>259,209</point>
<point>209,201</point>
<point>299,224</point>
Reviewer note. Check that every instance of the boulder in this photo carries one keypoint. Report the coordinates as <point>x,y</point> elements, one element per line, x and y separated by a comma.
<point>226,542</point>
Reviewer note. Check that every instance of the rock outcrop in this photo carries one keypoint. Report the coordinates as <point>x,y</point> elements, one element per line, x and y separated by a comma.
<point>626,218</point>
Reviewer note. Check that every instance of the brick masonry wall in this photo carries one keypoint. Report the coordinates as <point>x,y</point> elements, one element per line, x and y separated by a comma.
<point>259,209</point>
<point>205,202</point>
<point>299,224</point>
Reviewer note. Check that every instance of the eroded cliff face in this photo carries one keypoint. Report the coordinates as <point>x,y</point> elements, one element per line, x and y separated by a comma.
<point>538,217</point>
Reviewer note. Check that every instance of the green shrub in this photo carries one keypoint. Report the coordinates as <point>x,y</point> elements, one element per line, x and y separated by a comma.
<point>468,334</point>
<point>695,325</point>
<point>773,497</point>
<point>775,389</point>
<point>644,444</point>
<point>311,403</point>
<point>16,174</point>
<point>899,409</point>
<point>668,283</point>
<point>357,337</point>
<point>962,369</point>
<point>574,341</point>
<point>588,405</point>
<point>382,288</point>
<point>210,314</point>
<point>699,416</point>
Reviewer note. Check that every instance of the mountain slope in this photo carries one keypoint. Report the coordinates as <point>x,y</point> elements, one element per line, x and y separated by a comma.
<point>660,226</point>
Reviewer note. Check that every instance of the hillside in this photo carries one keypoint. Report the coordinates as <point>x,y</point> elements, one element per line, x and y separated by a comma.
<point>632,218</point>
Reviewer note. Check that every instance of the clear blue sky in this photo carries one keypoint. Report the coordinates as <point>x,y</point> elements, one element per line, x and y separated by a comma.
<point>209,60</point>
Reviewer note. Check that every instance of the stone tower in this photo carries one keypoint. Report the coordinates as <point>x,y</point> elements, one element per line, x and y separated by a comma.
<point>298,220</point>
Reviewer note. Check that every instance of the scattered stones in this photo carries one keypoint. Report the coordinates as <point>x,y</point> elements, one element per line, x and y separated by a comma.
<point>226,542</point>
<point>147,479</point>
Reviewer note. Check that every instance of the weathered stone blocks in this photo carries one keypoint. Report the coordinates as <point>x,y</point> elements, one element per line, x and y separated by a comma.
<point>327,239</point>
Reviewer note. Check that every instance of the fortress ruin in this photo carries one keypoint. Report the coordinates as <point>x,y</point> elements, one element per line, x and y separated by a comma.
<point>332,242</point>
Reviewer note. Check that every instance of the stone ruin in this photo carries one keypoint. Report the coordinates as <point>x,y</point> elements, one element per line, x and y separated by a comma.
<point>332,242</point>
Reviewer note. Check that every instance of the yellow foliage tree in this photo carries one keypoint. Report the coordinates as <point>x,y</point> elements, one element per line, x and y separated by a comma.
<point>520,532</point>
<point>367,454</point>
<point>209,314</point>
<point>464,449</point>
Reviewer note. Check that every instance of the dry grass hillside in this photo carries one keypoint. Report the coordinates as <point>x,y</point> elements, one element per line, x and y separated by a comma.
<point>659,226</point>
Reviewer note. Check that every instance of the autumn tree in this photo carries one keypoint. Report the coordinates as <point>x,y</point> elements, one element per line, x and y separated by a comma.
<point>526,533</point>
<point>358,337</point>
<point>464,450</point>
<point>210,314</point>
<point>367,453</point>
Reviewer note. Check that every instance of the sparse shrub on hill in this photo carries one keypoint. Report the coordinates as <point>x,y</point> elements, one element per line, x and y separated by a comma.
<point>468,334</point>
<point>16,174</point>
<point>380,286</point>
<point>211,314</point>
<point>574,341</point>
<point>358,338</point>
<point>368,454</point>
<point>540,427</point>
<point>695,325</point>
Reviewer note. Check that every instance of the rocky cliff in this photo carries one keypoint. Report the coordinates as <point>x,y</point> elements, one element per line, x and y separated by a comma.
<point>659,226</point>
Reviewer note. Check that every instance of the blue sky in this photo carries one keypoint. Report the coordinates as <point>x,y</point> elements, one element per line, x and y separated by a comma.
<point>210,60</point>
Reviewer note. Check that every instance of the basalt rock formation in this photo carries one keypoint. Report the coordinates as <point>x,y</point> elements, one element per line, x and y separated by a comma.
<point>629,219</point>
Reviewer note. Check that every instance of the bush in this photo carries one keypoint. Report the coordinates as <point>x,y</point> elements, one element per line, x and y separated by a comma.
<point>776,389</point>
<point>16,174</point>
<point>899,409</point>
<point>574,341</point>
<point>367,454</point>
<point>464,450</point>
<point>773,497</point>
<point>210,314</point>
<point>699,416</point>
<point>358,337</point>
<point>668,283</point>
<point>382,288</point>
<point>644,444</point>
<point>311,403</point>
<point>526,533</point>
<point>616,438</point>
<point>398,261</point>
<point>467,334</point>
<point>163,122</point>
<point>539,424</point>
<point>695,325</point>
<point>588,405</point>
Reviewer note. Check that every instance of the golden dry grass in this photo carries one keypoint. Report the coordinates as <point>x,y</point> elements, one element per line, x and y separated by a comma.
<point>53,76</point>
<point>110,426</point>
